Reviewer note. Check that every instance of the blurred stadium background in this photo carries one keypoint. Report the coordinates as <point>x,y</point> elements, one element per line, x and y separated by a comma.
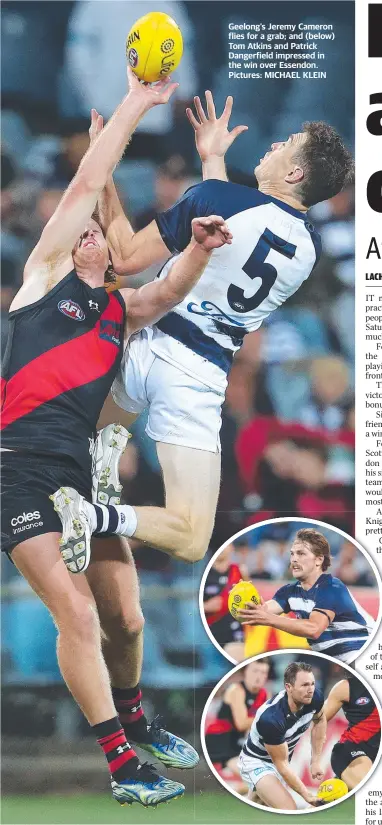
<point>327,673</point>
<point>262,554</point>
<point>284,453</point>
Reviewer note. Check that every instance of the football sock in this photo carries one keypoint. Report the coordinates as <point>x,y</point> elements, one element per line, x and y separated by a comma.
<point>112,520</point>
<point>122,759</point>
<point>128,704</point>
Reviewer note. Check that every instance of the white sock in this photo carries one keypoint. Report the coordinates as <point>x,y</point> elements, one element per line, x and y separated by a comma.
<point>114,519</point>
<point>127,519</point>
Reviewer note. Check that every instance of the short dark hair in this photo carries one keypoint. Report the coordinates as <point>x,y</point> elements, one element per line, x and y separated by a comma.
<point>318,544</point>
<point>293,669</point>
<point>327,163</point>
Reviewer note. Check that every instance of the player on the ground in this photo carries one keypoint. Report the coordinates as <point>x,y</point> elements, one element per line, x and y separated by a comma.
<point>66,340</point>
<point>353,755</point>
<point>241,700</point>
<point>264,762</point>
<point>327,615</point>
<point>178,367</point>
<point>223,575</point>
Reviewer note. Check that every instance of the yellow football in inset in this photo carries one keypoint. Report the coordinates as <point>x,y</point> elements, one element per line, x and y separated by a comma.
<point>332,789</point>
<point>240,595</point>
<point>154,46</point>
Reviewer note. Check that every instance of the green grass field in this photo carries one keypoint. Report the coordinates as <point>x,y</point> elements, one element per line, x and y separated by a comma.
<point>203,808</point>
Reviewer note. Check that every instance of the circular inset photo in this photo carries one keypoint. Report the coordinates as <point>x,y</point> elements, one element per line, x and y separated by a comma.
<point>290,583</point>
<point>292,732</point>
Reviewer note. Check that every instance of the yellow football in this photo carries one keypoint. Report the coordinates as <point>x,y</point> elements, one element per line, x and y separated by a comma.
<point>154,46</point>
<point>332,789</point>
<point>240,595</point>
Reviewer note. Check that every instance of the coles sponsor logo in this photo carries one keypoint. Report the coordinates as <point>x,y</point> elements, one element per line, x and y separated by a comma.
<point>71,309</point>
<point>26,521</point>
<point>363,700</point>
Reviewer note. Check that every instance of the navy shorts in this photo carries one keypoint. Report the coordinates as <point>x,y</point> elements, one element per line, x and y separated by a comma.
<point>27,481</point>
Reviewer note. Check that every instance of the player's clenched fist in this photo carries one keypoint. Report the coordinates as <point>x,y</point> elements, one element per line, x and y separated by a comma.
<point>211,232</point>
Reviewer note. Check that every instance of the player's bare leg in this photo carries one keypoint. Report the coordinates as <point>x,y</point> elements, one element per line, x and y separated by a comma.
<point>183,527</point>
<point>72,606</point>
<point>356,771</point>
<point>241,787</point>
<point>71,603</point>
<point>273,794</point>
<point>236,650</point>
<point>114,583</point>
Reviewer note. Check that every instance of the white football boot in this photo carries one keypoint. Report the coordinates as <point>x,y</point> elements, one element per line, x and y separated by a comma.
<point>76,531</point>
<point>109,446</point>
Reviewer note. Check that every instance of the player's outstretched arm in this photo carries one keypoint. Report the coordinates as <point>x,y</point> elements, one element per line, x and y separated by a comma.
<point>150,302</point>
<point>317,738</point>
<point>79,200</point>
<point>279,755</point>
<point>337,696</point>
<point>212,137</point>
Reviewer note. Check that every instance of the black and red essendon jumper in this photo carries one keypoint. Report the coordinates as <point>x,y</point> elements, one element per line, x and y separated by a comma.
<point>62,355</point>
<point>220,584</point>
<point>364,724</point>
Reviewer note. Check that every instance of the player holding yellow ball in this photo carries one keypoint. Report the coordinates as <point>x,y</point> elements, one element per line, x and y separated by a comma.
<point>242,594</point>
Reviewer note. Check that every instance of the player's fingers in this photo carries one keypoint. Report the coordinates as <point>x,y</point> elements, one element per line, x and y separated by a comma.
<point>170,91</point>
<point>191,117</point>
<point>226,114</point>
<point>210,105</point>
<point>238,130</point>
<point>200,110</point>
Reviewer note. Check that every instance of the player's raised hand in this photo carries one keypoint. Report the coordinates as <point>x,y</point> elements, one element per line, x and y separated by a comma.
<point>211,232</point>
<point>151,94</point>
<point>212,137</point>
<point>96,125</point>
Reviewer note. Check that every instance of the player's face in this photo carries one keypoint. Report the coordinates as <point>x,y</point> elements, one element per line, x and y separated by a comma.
<point>303,562</point>
<point>280,162</point>
<point>91,248</point>
<point>256,675</point>
<point>303,689</point>
<point>223,560</point>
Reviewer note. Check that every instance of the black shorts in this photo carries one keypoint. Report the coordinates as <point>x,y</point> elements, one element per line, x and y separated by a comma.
<point>227,630</point>
<point>344,753</point>
<point>27,481</point>
<point>221,748</point>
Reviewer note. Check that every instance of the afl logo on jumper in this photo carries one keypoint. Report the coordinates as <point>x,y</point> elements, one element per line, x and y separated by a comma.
<point>71,309</point>
<point>363,700</point>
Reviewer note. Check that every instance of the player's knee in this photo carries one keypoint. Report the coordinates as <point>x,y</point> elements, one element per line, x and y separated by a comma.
<point>124,627</point>
<point>194,550</point>
<point>80,620</point>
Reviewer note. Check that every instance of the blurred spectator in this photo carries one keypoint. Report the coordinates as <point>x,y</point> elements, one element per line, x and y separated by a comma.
<point>32,39</point>
<point>95,68</point>
<point>352,567</point>
<point>75,141</point>
<point>329,382</point>
<point>172,178</point>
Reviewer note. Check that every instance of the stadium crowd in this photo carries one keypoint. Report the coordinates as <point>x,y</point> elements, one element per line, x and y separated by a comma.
<point>288,423</point>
